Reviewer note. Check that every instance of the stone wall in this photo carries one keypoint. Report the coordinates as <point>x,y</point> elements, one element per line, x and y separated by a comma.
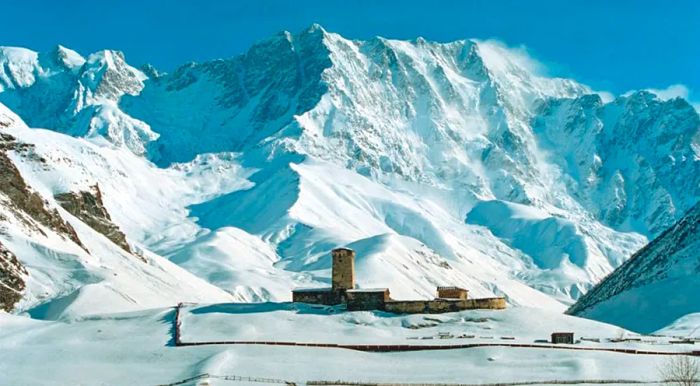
<point>407,306</point>
<point>359,300</point>
<point>486,303</point>
<point>323,296</point>
<point>443,305</point>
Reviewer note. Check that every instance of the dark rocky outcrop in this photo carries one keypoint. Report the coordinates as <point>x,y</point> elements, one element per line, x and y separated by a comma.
<point>12,284</point>
<point>659,260</point>
<point>88,207</point>
<point>27,205</point>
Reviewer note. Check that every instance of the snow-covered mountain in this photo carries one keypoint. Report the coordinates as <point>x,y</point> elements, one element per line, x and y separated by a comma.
<point>63,91</point>
<point>62,258</point>
<point>440,163</point>
<point>656,286</point>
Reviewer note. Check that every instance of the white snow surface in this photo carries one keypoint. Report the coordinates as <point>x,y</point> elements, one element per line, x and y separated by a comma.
<point>136,348</point>
<point>661,276</point>
<point>66,281</point>
<point>440,163</point>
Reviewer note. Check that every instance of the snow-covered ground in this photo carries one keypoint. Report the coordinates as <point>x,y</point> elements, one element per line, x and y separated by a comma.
<point>137,349</point>
<point>662,274</point>
<point>687,326</point>
<point>290,322</point>
<point>439,163</point>
<point>311,141</point>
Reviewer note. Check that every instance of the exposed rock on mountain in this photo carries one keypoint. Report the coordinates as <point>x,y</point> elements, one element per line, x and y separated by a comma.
<point>634,163</point>
<point>12,279</point>
<point>656,286</point>
<point>45,269</point>
<point>88,206</point>
<point>27,205</point>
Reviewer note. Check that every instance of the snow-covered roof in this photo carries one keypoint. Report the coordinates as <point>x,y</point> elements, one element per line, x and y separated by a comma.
<point>343,249</point>
<point>447,288</point>
<point>321,289</point>
<point>368,290</point>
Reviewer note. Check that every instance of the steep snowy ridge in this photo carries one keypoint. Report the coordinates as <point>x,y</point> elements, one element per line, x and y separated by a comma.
<point>656,286</point>
<point>67,269</point>
<point>443,163</point>
<point>63,91</point>
<point>634,164</point>
<point>235,103</point>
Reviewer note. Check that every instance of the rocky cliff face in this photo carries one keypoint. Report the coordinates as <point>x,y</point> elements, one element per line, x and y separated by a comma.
<point>468,116</point>
<point>46,270</point>
<point>12,279</point>
<point>634,163</point>
<point>27,205</point>
<point>655,286</point>
<point>88,207</point>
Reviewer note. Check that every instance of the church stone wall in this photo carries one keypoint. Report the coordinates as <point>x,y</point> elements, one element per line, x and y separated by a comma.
<point>367,300</point>
<point>452,293</point>
<point>450,299</point>
<point>443,305</point>
<point>320,296</point>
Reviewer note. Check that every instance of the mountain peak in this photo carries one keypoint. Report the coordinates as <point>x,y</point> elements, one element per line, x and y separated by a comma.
<point>316,28</point>
<point>108,75</point>
<point>65,57</point>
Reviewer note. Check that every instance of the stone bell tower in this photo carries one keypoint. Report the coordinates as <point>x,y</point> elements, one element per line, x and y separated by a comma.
<point>343,276</point>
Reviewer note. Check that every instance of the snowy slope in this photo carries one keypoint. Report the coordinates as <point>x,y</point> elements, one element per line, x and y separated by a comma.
<point>459,122</point>
<point>68,275</point>
<point>635,163</point>
<point>136,348</point>
<point>63,91</point>
<point>687,326</point>
<point>419,154</point>
<point>656,286</point>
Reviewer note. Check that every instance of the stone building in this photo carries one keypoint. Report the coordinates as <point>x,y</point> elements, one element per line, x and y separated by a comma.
<point>452,293</point>
<point>563,337</point>
<point>367,299</point>
<point>343,275</point>
<point>343,291</point>
<point>315,296</point>
<point>342,280</point>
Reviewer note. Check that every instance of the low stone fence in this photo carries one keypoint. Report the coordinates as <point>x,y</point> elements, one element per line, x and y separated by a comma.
<point>239,378</point>
<point>443,305</point>
<point>176,330</point>
<point>523,383</point>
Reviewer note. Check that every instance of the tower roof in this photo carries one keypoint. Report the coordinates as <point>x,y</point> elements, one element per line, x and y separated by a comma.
<point>343,249</point>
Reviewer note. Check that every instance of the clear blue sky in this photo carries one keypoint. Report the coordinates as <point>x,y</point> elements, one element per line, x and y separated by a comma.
<point>610,45</point>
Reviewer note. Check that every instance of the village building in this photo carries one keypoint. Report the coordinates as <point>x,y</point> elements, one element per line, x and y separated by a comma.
<point>343,291</point>
<point>563,337</point>
<point>367,299</point>
<point>452,293</point>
